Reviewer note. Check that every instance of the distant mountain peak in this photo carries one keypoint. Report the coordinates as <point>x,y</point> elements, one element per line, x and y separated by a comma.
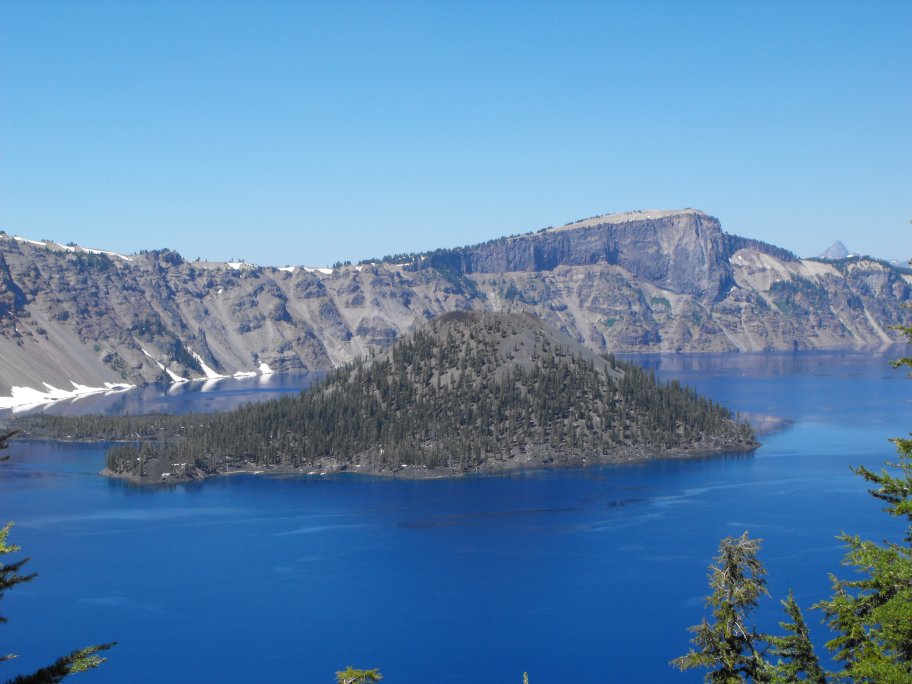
<point>637,281</point>
<point>835,251</point>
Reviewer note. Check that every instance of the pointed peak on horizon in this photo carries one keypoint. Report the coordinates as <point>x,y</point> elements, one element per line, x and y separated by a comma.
<point>835,251</point>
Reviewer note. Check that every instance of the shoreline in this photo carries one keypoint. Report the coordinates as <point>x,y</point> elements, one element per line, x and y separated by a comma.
<point>543,461</point>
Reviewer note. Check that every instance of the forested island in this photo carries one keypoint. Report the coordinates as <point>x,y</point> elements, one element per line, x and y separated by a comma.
<point>467,392</point>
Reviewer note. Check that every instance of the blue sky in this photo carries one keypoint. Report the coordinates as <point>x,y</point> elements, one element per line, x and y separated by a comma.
<point>307,133</point>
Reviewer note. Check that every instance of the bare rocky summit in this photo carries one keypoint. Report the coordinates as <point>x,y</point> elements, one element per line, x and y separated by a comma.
<point>641,281</point>
<point>835,252</point>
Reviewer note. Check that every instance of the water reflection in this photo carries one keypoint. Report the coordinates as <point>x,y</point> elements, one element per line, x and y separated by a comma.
<point>216,394</point>
<point>767,364</point>
<point>548,566</point>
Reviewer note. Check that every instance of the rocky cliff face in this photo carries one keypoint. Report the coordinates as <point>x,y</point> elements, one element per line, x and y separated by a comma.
<point>643,281</point>
<point>658,248</point>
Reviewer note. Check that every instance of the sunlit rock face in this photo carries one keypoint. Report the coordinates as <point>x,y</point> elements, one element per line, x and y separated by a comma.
<point>640,281</point>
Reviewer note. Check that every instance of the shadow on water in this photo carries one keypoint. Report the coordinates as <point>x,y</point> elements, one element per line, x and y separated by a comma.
<point>481,517</point>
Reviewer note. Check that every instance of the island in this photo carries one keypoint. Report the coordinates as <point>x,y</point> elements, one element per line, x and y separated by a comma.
<point>467,392</point>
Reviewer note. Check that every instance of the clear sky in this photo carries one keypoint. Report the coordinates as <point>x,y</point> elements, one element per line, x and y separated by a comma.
<point>310,132</point>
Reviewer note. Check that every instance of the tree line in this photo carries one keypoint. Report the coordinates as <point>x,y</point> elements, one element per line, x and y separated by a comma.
<point>458,396</point>
<point>870,616</point>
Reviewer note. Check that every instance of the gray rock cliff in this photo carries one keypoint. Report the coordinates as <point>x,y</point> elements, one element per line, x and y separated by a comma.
<point>641,281</point>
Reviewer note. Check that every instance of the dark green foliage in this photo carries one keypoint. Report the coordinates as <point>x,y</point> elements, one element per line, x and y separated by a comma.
<point>728,646</point>
<point>844,263</point>
<point>148,328</point>
<point>799,296</point>
<point>732,243</point>
<point>467,391</point>
<point>872,615</point>
<point>797,660</point>
<point>9,572</point>
<point>90,261</point>
<point>352,676</point>
<point>75,662</point>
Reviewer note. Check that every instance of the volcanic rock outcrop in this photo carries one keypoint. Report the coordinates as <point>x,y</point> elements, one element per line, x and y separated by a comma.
<point>640,281</point>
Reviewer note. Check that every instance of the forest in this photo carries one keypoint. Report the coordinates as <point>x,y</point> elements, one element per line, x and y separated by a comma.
<point>466,392</point>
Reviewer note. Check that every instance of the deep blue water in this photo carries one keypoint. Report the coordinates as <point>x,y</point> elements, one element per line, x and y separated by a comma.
<point>564,574</point>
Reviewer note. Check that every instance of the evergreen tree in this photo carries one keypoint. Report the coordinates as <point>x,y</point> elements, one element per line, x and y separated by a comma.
<point>872,616</point>
<point>801,664</point>
<point>728,647</point>
<point>73,663</point>
<point>352,676</point>
<point>551,401</point>
<point>9,574</point>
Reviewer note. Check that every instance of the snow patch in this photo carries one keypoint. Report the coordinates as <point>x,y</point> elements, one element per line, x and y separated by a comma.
<point>241,265</point>
<point>31,242</point>
<point>287,269</point>
<point>324,271</point>
<point>210,374</point>
<point>24,397</point>
<point>159,363</point>
<point>72,248</point>
<point>106,252</point>
<point>245,374</point>
<point>265,369</point>
<point>174,376</point>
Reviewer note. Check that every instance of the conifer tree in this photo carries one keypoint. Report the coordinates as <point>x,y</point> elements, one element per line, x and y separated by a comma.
<point>802,663</point>
<point>872,616</point>
<point>352,676</point>
<point>728,646</point>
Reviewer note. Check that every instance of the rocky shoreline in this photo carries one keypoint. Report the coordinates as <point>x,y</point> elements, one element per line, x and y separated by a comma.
<point>532,459</point>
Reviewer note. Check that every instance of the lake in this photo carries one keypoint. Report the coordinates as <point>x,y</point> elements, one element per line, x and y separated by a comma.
<point>572,575</point>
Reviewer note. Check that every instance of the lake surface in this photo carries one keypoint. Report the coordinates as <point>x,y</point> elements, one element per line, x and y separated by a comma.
<point>565,574</point>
